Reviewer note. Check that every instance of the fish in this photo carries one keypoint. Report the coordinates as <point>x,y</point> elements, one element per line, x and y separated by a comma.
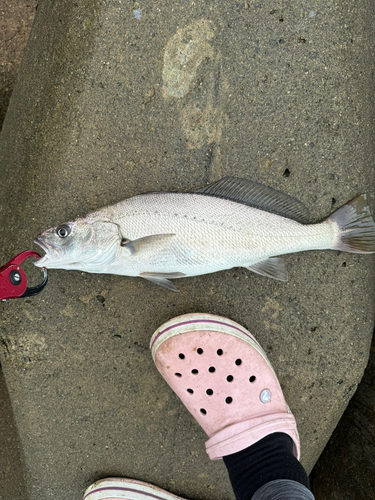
<point>234,222</point>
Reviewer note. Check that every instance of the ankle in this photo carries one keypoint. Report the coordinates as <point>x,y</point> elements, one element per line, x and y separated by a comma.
<point>267,460</point>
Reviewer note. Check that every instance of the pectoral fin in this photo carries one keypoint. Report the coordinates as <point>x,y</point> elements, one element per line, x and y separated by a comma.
<point>272,268</point>
<point>154,242</point>
<point>162,279</point>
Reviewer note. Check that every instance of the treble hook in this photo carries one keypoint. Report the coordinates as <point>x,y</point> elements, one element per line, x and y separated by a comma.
<point>13,281</point>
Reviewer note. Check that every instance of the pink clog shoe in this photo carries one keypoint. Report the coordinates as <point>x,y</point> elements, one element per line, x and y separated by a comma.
<point>223,377</point>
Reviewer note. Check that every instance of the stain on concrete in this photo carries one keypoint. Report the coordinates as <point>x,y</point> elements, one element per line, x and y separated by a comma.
<point>21,350</point>
<point>184,53</point>
<point>191,75</point>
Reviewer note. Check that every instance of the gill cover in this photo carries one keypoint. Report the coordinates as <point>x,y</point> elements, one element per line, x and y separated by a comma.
<point>106,238</point>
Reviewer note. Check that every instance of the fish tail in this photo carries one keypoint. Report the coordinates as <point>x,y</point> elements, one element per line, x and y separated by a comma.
<point>356,226</point>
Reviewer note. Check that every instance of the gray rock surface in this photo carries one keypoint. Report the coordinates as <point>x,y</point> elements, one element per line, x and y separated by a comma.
<point>107,106</point>
<point>345,470</point>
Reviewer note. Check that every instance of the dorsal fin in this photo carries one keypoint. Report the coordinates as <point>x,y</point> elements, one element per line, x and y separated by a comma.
<point>257,196</point>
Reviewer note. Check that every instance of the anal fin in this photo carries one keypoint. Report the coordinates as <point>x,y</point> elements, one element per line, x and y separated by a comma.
<point>162,279</point>
<point>272,268</point>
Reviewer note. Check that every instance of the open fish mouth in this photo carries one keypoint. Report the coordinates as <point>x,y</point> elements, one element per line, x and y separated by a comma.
<point>41,244</point>
<point>51,252</point>
<point>49,248</point>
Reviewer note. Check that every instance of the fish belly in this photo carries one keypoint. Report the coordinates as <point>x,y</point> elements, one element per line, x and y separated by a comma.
<point>211,234</point>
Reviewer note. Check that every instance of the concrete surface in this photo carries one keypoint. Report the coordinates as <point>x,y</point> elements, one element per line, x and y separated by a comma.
<point>104,108</point>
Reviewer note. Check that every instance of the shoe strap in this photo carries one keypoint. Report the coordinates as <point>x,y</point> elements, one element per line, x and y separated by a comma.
<point>241,435</point>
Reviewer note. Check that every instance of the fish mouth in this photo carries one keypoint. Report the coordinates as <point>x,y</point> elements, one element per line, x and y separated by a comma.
<point>47,247</point>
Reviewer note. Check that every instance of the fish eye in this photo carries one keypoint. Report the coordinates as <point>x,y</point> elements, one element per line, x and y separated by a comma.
<point>63,231</point>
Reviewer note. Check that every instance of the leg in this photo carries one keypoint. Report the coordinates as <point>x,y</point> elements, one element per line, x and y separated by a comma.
<point>267,469</point>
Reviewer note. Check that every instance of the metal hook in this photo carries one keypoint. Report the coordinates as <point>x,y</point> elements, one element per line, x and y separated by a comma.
<point>13,280</point>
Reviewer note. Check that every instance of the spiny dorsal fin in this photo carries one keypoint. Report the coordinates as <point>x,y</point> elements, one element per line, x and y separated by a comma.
<point>257,196</point>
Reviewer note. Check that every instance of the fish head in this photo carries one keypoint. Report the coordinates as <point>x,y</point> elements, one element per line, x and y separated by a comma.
<point>87,244</point>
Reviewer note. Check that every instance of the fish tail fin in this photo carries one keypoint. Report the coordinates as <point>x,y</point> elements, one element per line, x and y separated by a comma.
<point>357,227</point>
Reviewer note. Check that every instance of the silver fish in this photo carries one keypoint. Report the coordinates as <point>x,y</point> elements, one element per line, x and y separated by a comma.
<point>231,223</point>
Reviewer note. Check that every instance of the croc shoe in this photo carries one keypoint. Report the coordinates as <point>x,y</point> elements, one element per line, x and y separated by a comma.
<point>126,489</point>
<point>223,377</point>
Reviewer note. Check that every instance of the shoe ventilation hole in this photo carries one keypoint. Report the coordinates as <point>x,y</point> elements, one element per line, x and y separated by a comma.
<point>209,392</point>
<point>194,371</point>
<point>181,356</point>
<point>230,378</point>
<point>252,378</point>
<point>238,362</point>
<point>190,391</point>
<point>211,369</point>
<point>199,350</point>
<point>228,400</point>
<point>203,411</point>
<point>219,352</point>
<point>178,375</point>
